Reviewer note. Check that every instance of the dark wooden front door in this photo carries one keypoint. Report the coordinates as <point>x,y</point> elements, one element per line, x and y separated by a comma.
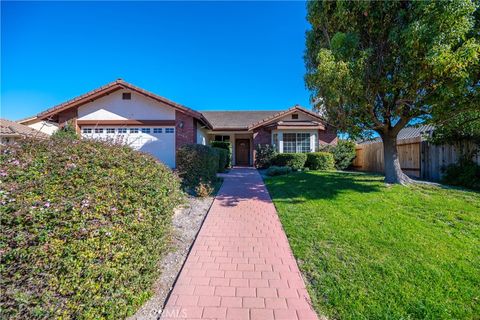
<point>242,152</point>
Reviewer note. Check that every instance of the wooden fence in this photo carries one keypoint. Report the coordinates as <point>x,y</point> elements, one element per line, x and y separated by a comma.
<point>418,158</point>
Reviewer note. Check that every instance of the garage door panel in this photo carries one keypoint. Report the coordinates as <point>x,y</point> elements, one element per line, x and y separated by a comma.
<point>155,141</point>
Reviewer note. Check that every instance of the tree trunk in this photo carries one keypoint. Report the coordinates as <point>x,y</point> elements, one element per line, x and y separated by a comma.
<point>393,171</point>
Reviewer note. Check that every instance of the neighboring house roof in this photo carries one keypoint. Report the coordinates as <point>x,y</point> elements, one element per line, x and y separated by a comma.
<point>27,120</point>
<point>14,129</point>
<point>247,120</point>
<point>406,133</point>
<point>111,87</point>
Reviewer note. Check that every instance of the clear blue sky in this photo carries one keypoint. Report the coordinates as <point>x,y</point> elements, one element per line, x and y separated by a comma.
<point>205,55</point>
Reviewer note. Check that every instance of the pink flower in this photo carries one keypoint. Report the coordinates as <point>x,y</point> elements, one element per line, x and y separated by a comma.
<point>47,204</point>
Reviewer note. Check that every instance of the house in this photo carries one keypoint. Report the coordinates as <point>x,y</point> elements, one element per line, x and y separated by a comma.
<point>12,131</point>
<point>154,124</point>
<point>44,126</point>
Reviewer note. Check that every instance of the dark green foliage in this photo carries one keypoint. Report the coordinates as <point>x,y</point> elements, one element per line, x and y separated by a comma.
<point>224,145</point>
<point>66,132</point>
<point>278,171</point>
<point>84,225</point>
<point>465,173</point>
<point>222,159</point>
<point>343,153</point>
<point>320,161</point>
<point>296,161</point>
<point>264,153</point>
<point>197,164</point>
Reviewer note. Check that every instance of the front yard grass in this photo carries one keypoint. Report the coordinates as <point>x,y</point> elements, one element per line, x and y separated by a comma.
<point>371,251</point>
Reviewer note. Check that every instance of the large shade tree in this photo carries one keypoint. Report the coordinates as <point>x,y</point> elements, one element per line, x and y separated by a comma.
<point>376,66</point>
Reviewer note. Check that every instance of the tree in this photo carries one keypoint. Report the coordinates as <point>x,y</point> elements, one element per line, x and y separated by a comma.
<point>376,66</point>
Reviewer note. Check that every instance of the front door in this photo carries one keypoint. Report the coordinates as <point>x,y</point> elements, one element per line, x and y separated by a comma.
<point>242,152</point>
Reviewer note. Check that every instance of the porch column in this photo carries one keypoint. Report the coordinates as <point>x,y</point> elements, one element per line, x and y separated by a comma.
<point>280,142</point>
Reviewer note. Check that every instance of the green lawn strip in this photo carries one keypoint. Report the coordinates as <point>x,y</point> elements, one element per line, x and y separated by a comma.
<point>375,251</point>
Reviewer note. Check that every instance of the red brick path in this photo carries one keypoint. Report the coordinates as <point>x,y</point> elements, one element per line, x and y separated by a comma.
<point>241,265</point>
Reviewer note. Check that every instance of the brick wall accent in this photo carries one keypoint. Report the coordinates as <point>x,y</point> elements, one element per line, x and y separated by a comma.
<point>261,136</point>
<point>187,134</point>
<point>69,115</point>
<point>327,136</point>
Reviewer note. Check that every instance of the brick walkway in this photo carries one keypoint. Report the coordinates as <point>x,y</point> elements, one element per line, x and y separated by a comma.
<point>241,265</point>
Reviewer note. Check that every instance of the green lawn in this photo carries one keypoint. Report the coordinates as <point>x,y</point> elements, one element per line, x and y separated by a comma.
<point>371,251</point>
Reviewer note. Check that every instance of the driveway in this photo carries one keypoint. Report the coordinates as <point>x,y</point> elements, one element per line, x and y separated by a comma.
<point>241,265</point>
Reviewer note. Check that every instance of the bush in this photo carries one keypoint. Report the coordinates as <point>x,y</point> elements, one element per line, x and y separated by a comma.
<point>84,225</point>
<point>224,145</point>
<point>197,164</point>
<point>264,155</point>
<point>222,159</point>
<point>343,153</point>
<point>296,161</point>
<point>320,161</point>
<point>465,173</point>
<point>278,171</point>
<point>66,132</point>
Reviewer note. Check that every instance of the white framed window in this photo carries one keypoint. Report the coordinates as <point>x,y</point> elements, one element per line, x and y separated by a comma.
<point>133,130</point>
<point>145,130</point>
<point>110,130</point>
<point>296,142</point>
<point>222,138</point>
<point>87,130</point>
<point>169,130</point>
<point>122,130</point>
<point>275,141</point>
<point>157,130</point>
<point>98,130</point>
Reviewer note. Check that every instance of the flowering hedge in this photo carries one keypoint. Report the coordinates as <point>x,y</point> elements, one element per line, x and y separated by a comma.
<point>83,226</point>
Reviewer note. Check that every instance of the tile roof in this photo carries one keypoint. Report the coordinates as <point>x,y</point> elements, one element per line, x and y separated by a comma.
<point>236,119</point>
<point>11,128</point>
<point>406,133</point>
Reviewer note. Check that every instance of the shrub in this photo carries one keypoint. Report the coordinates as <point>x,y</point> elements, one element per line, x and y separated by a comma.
<point>465,173</point>
<point>197,163</point>
<point>277,171</point>
<point>343,153</point>
<point>264,155</point>
<point>222,159</point>
<point>296,161</point>
<point>203,190</point>
<point>66,132</point>
<point>84,225</point>
<point>320,161</point>
<point>224,145</point>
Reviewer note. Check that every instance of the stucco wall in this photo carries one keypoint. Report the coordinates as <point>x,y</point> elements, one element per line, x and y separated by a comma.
<point>44,126</point>
<point>113,107</point>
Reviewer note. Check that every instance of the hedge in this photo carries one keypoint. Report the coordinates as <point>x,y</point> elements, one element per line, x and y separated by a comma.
<point>84,225</point>
<point>277,171</point>
<point>343,153</point>
<point>296,161</point>
<point>320,161</point>
<point>197,164</point>
<point>224,145</point>
<point>222,159</point>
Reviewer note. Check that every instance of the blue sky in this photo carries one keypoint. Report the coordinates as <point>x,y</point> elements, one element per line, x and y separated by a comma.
<point>205,55</point>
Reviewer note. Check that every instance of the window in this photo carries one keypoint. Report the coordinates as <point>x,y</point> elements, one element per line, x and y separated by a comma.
<point>222,138</point>
<point>296,142</point>
<point>87,130</point>
<point>122,130</point>
<point>157,130</point>
<point>275,141</point>
<point>98,130</point>
<point>145,130</point>
<point>110,130</point>
<point>168,130</point>
<point>126,96</point>
<point>133,130</point>
<point>295,116</point>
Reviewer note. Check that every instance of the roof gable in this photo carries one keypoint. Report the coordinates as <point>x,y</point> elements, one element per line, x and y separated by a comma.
<point>282,114</point>
<point>11,128</point>
<point>112,87</point>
